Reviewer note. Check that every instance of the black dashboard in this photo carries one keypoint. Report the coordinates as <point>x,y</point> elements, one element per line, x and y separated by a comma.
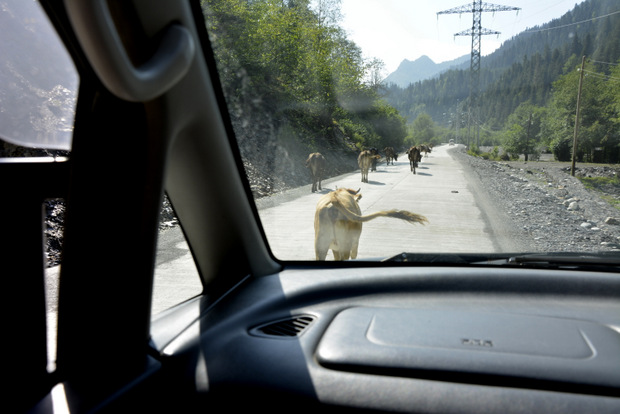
<point>409,339</point>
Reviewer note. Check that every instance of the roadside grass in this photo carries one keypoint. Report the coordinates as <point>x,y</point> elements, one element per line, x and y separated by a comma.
<point>600,184</point>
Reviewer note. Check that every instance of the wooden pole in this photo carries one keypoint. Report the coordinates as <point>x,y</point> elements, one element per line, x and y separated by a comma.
<point>527,138</point>
<point>572,168</point>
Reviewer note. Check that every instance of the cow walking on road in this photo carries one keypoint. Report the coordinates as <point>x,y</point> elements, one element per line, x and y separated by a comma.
<point>390,155</point>
<point>364,160</point>
<point>373,165</point>
<point>425,149</point>
<point>316,163</point>
<point>338,223</point>
<point>414,157</point>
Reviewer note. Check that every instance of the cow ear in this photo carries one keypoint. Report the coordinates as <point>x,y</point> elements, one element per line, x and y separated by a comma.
<point>358,197</point>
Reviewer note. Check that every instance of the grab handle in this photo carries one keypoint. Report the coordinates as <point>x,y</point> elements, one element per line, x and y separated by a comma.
<point>105,51</point>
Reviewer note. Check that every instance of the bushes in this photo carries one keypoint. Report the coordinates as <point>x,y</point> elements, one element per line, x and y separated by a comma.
<point>493,155</point>
<point>562,148</point>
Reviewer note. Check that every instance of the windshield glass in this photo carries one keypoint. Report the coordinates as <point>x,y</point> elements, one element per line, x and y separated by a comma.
<point>370,129</point>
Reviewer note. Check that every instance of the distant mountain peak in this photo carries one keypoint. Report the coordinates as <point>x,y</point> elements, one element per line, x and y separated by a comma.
<point>420,69</point>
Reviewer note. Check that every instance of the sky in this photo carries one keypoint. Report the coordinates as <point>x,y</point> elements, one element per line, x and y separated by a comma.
<point>394,30</point>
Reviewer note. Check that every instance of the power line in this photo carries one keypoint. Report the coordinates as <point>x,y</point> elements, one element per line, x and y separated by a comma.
<point>571,24</point>
<point>601,76</point>
<point>604,63</point>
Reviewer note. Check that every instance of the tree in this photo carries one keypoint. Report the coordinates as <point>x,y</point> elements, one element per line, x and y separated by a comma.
<point>597,132</point>
<point>522,135</point>
<point>423,129</point>
<point>288,70</point>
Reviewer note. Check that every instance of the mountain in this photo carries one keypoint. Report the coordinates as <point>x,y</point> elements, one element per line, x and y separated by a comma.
<point>526,65</point>
<point>422,68</point>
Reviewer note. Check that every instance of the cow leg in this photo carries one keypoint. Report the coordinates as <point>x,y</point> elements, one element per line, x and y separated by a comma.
<point>354,247</point>
<point>322,241</point>
<point>320,179</point>
<point>319,252</point>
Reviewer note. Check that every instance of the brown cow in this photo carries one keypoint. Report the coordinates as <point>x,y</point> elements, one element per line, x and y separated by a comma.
<point>425,149</point>
<point>373,165</point>
<point>316,164</point>
<point>414,157</point>
<point>390,155</point>
<point>364,160</point>
<point>338,223</point>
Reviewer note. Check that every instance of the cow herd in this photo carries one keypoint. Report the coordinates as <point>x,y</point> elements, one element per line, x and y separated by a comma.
<point>338,219</point>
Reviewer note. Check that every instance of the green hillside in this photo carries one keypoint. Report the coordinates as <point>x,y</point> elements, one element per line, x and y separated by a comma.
<point>529,89</point>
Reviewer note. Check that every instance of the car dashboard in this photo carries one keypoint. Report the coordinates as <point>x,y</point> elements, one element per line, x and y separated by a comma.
<point>408,339</point>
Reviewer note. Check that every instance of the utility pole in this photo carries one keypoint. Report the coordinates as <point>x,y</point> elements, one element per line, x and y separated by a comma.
<point>458,122</point>
<point>527,138</point>
<point>572,168</point>
<point>477,7</point>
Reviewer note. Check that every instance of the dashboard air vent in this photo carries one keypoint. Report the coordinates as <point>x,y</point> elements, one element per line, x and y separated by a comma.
<point>285,328</point>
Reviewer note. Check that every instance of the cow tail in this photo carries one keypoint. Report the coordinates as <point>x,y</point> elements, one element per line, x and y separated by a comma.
<point>407,216</point>
<point>399,214</point>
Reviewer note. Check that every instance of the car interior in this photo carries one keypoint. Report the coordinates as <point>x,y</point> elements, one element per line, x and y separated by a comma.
<point>151,122</point>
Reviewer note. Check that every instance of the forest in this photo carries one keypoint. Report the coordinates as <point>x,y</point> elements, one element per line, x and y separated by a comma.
<point>294,84</point>
<point>529,90</point>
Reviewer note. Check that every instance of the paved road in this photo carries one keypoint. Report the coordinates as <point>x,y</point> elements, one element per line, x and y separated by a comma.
<point>460,217</point>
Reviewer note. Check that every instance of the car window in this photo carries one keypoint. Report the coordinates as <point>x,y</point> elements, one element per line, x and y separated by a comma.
<point>38,82</point>
<point>367,132</point>
<point>176,277</point>
<point>38,92</point>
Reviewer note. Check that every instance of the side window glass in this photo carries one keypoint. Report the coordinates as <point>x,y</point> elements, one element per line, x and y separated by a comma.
<point>38,83</point>
<point>176,277</point>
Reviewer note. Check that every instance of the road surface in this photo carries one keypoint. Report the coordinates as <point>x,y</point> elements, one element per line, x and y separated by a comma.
<point>460,217</point>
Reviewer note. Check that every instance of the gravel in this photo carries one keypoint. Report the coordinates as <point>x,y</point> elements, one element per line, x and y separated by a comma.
<point>549,209</point>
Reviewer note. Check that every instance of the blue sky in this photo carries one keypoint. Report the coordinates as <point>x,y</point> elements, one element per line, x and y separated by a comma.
<point>394,30</point>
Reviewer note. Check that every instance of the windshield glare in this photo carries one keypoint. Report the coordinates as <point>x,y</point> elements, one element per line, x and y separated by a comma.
<point>368,132</point>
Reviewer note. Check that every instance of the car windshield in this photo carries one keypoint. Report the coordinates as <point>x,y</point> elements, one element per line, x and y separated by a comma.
<point>394,129</point>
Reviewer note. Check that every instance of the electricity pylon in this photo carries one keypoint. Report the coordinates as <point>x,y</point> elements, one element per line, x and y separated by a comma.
<point>477,7</point>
